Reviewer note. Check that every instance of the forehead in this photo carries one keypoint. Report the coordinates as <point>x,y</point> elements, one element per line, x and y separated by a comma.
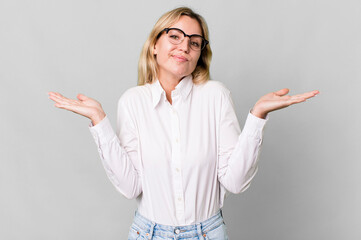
<point>188,25</point>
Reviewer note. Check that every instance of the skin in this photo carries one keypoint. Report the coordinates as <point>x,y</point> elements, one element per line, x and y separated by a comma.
<point>174,63</point>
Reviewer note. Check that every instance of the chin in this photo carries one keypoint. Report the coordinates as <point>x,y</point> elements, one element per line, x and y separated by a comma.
<point>180,76</point>
<point>182,72</point>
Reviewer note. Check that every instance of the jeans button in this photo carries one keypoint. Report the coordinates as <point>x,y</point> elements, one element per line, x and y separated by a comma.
<point>177,231</point>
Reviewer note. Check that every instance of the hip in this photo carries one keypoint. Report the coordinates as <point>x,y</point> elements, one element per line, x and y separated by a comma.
<point>212,228</point>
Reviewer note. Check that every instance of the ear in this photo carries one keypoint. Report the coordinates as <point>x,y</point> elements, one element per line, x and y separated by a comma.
<point>155,51</point>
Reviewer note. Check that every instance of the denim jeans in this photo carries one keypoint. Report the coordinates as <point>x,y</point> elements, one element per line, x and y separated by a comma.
<point>213,228</point>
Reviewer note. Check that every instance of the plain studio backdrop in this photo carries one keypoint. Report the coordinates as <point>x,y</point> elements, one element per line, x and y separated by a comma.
<point>52,182</point>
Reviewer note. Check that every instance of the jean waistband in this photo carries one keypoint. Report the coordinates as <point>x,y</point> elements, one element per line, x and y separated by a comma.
<point>151,228</point>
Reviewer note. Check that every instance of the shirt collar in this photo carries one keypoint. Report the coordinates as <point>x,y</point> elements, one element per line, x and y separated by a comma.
<point>183,88</point>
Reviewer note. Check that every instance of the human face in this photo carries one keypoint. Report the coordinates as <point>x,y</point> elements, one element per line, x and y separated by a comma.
<point>177,61</point>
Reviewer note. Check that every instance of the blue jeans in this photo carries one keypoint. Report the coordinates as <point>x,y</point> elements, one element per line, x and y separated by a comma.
<point>213,228</point>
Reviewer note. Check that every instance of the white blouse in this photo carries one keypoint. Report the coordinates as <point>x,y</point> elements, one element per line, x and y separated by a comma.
<point>179,160</point>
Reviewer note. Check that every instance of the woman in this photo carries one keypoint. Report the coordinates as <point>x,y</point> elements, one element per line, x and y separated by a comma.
<point>178,148</point>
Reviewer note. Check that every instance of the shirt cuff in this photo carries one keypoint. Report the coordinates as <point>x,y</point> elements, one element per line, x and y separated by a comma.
<point>254,126</point>
<point>103,132</point>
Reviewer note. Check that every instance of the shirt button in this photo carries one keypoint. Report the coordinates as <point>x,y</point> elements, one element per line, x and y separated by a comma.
<point>179,199</point>
<point>177,169</point>
<point>176,140</point>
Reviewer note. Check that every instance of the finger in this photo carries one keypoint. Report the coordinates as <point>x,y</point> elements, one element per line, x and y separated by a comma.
<point>51,94</point>
<point>68,107</point>
<point>302,97</point>
<point>296,100</point>
<point>58,98</point>
<point>307,94</point>
<point>61,97</point>
<point>82,97</point>
<point>56,95</point>
<point>314,92</point>
<point>282,92</point>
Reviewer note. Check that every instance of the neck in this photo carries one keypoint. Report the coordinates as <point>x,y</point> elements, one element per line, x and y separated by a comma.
<point>169,84</point>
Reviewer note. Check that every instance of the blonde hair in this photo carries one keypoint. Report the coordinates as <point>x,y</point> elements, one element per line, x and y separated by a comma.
<point>147,66</point>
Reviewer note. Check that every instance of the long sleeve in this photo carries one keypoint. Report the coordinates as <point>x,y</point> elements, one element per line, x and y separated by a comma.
<point>179,160</point>
<point>238,152</point>
<point>119,154</point>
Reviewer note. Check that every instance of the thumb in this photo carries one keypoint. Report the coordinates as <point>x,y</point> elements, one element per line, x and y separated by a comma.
<point>82,97</point>
<point>282,92</point>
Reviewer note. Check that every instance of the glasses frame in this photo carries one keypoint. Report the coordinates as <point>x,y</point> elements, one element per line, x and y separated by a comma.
<point>204,41</point>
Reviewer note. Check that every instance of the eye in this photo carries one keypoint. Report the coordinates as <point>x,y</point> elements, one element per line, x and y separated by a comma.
<point>176,37</point>
<point>195,44</point>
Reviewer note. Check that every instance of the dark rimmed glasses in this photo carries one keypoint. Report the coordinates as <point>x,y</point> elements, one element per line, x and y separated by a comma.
<point>176,36</point>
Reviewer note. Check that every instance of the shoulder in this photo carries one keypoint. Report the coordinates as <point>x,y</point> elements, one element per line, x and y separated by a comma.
<point>134,94</point>
<point>213,87</point>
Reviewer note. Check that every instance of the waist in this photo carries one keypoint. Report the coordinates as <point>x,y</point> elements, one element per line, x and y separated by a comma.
<point>150,228</point>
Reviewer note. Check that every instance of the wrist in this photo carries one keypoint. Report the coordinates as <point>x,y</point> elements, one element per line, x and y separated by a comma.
<point>258,113</point>
<point>97,118</point>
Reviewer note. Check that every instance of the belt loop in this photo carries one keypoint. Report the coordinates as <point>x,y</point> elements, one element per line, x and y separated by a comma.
<point>199,231</point>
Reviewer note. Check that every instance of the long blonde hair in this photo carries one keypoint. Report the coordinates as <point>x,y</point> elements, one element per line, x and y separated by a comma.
<point>147,66</point>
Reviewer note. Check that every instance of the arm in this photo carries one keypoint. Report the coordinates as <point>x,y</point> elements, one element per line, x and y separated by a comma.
<point>117,154</point>
<point>238,152</point>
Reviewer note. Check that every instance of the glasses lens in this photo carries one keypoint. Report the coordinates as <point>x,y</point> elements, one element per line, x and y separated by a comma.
<point>196,43</point>
<point>175,36</point>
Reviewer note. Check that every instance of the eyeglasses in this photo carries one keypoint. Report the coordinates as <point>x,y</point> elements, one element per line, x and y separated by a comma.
<point>176,36</point>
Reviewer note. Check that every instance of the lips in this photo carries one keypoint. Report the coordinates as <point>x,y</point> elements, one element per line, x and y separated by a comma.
<point>180,58</point>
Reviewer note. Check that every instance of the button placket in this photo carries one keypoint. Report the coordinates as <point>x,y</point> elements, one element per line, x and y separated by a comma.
<point>176,162</point>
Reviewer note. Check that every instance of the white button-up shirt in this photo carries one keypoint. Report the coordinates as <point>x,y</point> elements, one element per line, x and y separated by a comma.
<point>179,160</point>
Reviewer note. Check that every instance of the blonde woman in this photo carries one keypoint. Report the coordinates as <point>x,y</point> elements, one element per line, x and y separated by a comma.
<point>178,149</point>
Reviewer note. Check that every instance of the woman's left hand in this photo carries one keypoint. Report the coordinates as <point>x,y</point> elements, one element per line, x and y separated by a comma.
<point>278,100</point>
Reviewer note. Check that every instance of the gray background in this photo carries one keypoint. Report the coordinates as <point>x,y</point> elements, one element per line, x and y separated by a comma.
<point>52,183</point>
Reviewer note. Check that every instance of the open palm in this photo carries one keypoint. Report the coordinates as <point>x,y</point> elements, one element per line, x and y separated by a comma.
<point>84,106</point>
<point>278,100</point>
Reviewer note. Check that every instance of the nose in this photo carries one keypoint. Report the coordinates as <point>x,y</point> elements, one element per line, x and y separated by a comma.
<point>185,45</point>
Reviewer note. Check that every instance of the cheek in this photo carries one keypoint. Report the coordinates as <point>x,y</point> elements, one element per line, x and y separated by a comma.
<point>164,48</point>
<point>164,53</point>
<point>196,59</point>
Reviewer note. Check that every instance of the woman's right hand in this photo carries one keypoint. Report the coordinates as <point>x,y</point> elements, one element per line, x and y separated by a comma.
<point>85,106</point>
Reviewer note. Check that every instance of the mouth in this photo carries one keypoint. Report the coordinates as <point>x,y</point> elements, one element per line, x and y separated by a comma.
<point>179,58</point>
